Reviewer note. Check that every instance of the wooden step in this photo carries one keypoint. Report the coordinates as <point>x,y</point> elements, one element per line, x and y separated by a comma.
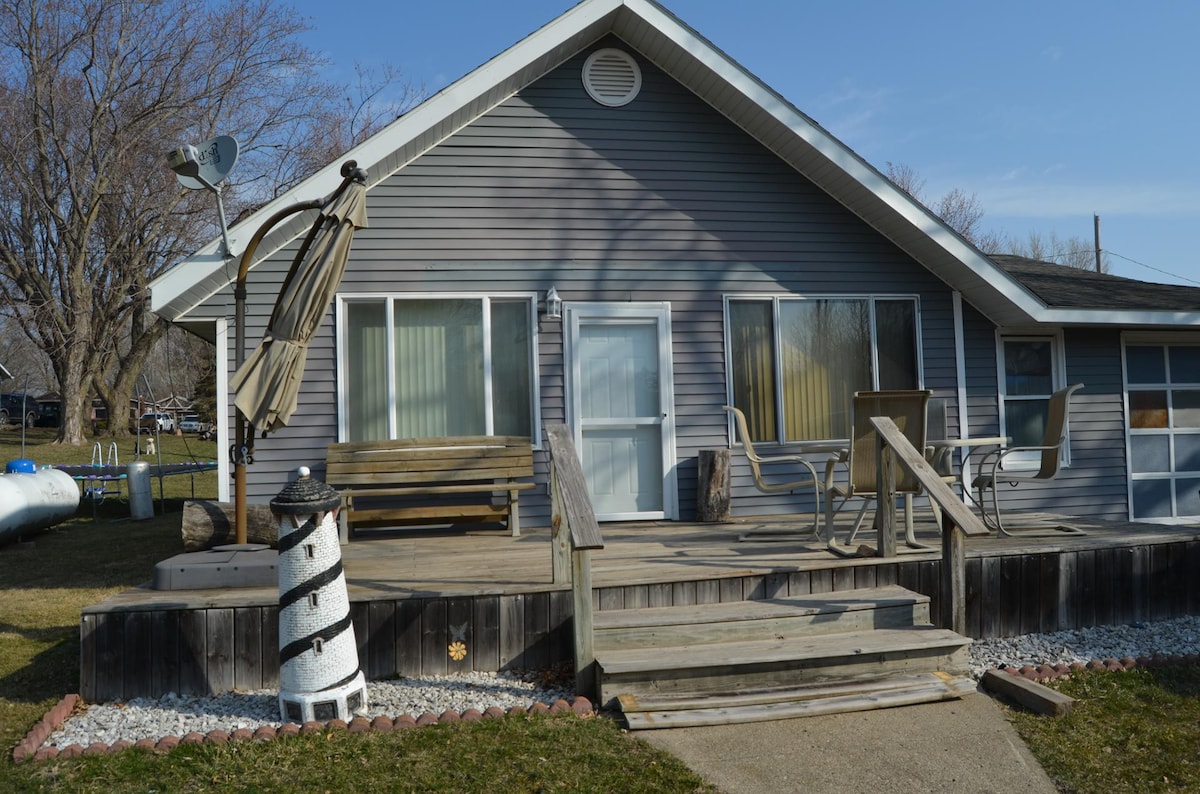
<point>785,703</point>
<point>790,661</point>
<point>779,618</point>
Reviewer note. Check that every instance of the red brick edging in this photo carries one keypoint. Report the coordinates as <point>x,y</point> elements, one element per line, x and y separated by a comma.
<point>55,717</point>
<point>1048,672</point>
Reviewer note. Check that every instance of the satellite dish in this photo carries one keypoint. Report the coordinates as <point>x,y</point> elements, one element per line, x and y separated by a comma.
<point>214,159</point>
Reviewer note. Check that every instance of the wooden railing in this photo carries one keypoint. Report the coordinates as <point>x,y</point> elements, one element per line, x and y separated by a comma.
<point>958,521</point>
<point>575,534</point>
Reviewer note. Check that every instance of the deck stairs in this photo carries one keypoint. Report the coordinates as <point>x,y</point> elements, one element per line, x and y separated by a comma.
<point>749,661</point>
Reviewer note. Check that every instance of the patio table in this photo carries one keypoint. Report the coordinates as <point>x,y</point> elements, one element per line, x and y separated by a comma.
<point>967,445</point>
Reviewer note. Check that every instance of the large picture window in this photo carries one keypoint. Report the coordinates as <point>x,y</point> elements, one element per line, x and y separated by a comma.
<point>418,367</point>
<point>795,363</point>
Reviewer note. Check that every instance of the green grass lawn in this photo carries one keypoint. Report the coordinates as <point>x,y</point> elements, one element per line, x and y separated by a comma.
<point>1136,731</point>
<point>45,583</point>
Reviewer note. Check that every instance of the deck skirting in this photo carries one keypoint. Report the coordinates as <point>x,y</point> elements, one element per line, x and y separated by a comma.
<point>130,651</point>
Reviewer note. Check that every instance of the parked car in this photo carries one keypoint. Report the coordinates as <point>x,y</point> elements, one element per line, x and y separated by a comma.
<point>14,406</point>
<point>192,424</point>
<point>164,423</point>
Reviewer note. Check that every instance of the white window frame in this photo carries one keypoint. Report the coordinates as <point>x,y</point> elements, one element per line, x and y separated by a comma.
<point>1167,340</point>
<point>390,299</point>
<point>777,364</point>
<point>1023,461</point>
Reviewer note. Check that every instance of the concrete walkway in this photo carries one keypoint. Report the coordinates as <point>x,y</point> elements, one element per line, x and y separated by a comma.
<point>962,745</point>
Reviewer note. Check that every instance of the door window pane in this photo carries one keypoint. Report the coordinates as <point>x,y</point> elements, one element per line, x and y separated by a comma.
<point>1145,364</point>
<point>1150,453</point>
<point>1147,409</point>
<point>1187,452</point>
<point>1185,364</point>
<point>1151,498</point>
<point>1185,408</point>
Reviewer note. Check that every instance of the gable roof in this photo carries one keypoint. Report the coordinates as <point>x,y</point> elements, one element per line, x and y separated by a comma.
<point>709,73</point>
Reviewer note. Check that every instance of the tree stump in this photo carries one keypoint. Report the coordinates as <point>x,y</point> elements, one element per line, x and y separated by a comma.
<point>713,491</point>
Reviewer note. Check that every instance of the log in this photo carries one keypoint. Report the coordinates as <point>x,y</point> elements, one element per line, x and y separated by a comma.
<point>207,523</point>
<point>713,491</point>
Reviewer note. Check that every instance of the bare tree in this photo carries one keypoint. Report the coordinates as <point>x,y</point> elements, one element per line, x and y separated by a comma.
<point>1073,252</point>
<point>92,94</point>
<point>960,210</point>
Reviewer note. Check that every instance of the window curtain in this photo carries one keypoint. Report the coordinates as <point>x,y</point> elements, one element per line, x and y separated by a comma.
<point>753,361</point>
<point>826,357</point>
<point>366,379</point>
<point>439,368</point>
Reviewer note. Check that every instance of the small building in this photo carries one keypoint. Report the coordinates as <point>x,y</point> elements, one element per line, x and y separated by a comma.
<point>711,245</point>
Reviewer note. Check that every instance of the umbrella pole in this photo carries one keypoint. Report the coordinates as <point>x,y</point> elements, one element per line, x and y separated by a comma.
<point>240,454</point>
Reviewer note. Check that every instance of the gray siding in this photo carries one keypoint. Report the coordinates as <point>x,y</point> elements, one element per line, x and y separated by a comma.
<point>661,200</point>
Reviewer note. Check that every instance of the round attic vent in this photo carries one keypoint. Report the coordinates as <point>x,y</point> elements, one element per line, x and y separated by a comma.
<point>612,77</point>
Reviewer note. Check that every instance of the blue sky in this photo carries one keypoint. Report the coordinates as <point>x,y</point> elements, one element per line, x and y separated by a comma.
<point>1048,111</point>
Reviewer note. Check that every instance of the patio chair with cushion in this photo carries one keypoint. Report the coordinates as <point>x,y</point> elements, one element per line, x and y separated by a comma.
<point>992,472</point>
<point>909,410</point>
<point>793,460</point>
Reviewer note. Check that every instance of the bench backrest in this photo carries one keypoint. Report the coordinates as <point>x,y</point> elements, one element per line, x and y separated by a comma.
<point>428,460</point>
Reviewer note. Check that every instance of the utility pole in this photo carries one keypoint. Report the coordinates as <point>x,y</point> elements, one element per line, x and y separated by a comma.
<point>1096,223</point>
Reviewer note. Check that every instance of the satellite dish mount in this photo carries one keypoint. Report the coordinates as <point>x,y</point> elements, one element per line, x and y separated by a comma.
<point>205,167</point>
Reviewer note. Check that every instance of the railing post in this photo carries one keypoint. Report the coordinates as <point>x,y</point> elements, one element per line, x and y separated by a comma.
<point>585,653</point>
<point>560,532</point>
<point>954,576</point>
<point>885,494</point>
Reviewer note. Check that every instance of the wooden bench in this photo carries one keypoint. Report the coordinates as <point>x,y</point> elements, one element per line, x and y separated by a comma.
<point>406,481</point>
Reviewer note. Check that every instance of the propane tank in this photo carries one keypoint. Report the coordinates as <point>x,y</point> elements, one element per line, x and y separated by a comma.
<point>33,499</point>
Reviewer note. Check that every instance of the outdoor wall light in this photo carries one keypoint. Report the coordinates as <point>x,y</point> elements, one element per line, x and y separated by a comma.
<point>553,305</point>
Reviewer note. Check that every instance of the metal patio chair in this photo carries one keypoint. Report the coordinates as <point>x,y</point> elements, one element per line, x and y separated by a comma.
<point>909,410</point>
<point>991,472</point>
<point>757,461</point>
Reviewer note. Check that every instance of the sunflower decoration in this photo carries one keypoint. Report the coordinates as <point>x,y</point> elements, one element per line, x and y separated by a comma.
<point>458,651</point>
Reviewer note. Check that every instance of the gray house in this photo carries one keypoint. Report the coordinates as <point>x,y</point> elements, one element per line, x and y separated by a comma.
<point>711,244</point>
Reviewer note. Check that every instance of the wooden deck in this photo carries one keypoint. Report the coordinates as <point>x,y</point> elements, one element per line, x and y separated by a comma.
<point>413,592</point>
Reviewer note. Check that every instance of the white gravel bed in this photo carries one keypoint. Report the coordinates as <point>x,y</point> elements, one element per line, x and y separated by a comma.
<point>1166,638</point>
<point>178,715</point>
<point>175,715</point>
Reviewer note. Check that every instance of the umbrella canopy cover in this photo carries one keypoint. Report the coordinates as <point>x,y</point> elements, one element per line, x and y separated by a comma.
<point>268,383</point>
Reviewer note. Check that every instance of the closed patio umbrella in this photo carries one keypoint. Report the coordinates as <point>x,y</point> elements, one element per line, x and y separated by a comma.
<point>268,383</point>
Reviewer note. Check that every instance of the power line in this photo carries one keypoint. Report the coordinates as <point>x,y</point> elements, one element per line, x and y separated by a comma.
<point>1150,267</point>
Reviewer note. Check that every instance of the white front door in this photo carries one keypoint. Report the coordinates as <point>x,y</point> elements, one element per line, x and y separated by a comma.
<point>621,407</point>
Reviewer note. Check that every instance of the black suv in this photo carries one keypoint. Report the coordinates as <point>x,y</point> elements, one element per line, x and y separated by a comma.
<point>13,406</point>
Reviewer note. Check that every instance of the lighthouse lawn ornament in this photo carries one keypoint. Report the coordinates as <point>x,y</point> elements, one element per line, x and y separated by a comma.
<point>319,675</point>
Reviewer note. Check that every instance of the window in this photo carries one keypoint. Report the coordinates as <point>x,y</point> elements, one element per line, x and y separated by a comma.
<point>795,363</point>
<point>1162,382</point>
<point>1030,373</point>
<point>419,367</point>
